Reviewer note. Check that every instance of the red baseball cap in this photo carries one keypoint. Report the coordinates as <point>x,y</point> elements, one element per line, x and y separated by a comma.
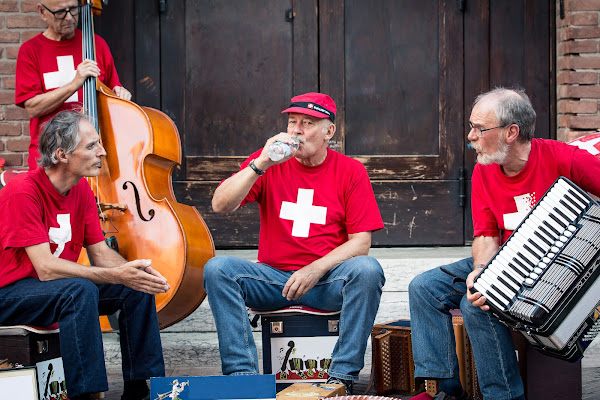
<point>316,104</point>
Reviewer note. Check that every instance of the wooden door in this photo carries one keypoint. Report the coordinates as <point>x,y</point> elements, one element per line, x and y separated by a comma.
<point>395,70</point>
<point>510,43</point>
<point>399,101</point>
<point>403,75</point>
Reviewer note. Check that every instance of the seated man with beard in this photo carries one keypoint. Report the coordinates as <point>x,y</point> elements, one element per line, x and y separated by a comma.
<point>513,172</point>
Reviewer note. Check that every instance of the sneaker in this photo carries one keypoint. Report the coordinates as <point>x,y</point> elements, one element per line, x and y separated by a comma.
<point>332,380</point>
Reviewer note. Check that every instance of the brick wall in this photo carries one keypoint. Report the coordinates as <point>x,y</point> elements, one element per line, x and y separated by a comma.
<point>578,68</point>
<point>19,22</point>
<point>577,64</point>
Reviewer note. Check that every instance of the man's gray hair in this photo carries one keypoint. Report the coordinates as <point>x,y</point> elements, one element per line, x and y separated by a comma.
<point>61,132</point>
<point>512,106</point>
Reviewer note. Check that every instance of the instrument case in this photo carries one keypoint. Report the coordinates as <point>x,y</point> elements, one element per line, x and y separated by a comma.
<point>297,344</point>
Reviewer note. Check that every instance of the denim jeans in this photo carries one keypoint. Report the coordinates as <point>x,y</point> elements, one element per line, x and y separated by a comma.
<point>232,284</point>
<point>76,303</point>
<point>432,295</point>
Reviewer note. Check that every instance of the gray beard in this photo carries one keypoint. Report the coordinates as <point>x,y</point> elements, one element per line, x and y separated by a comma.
<point>498,157</point>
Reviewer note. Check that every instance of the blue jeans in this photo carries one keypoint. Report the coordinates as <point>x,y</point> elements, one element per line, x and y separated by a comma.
<point>76,303</point>
<point>432,295</point>
<point>232,284</point>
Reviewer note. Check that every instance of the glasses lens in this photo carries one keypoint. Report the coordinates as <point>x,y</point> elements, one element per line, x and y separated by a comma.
<point>62,14</point>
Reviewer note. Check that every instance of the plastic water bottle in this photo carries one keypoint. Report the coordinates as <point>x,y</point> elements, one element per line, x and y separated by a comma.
<point>279,150</point>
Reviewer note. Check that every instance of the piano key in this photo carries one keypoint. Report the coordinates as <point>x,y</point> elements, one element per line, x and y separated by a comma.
<point>558,207</point>
<point>508,268</point>
<point>484,289</point>
<point>498,290</point>
<point>491,278</point>
<point>495,275</point>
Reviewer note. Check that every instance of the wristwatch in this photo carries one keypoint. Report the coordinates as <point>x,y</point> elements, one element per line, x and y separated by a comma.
<point>259,172</point>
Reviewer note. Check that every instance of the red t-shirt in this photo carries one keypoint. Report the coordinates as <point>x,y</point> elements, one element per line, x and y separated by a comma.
<point>32,211</point>
<point>500,202</point>
<point>305,212</point>
<point>44,65</point>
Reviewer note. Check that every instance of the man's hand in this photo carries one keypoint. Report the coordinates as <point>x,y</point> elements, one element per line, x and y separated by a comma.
<point>122,93</point>
<point>84,70</point>
<point>264,160</point>
<point>139,275</point>
<point>301,282</point>
<point>475,298</point>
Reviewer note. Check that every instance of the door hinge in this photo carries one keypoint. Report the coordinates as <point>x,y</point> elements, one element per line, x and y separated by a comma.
<point>289,15</point>
<point>462,5</point>
<point>461,187</point>
<point>162,6</point>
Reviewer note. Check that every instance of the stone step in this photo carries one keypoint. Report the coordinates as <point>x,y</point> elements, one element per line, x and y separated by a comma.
<point>400,265</point>
<point>193,341</point>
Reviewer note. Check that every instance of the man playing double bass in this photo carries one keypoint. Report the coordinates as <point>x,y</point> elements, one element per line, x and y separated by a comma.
<point>50,70</point>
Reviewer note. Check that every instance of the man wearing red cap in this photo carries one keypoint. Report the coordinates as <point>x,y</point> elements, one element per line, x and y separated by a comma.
<point>317,213</point>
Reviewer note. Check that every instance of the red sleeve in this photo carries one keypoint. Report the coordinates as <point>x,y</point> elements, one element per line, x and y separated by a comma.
<point>111,79</point>
<point>484,221</point>
<point>585,171</point>
<point>22,226</point>
<point>28,82</point>
<point>362,211</point>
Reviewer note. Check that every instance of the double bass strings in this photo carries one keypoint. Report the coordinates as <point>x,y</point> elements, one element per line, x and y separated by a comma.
<point>90,106</point>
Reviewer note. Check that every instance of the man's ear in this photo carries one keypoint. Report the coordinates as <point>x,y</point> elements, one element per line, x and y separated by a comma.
<point>512,133</point>
<point>41,12</point>
<point>330,132</point>
<point>61,155</point>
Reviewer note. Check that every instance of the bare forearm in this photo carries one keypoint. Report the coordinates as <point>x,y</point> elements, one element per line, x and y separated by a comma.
<point>59,269</point>
<point>357,245</point>
<point>484,248</point>
<point>136,274</point>
<point>45,103</point>
<point>229,195</point>
<point>107,258</point>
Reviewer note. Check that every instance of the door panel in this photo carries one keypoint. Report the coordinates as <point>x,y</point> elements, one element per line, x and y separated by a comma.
<point>510,43</point>
<point>403,75</point>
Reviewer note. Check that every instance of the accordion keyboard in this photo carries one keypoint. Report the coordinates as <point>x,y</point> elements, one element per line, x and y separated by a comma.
<point>544,256</point>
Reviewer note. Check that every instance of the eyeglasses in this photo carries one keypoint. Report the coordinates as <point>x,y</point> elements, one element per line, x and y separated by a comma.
<point>62,14</point>
<point>480,131</point>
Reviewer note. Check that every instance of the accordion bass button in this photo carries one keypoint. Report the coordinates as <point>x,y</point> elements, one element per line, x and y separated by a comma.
<point>529,281</point>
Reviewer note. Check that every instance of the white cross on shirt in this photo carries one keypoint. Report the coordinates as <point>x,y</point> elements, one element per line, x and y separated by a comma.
<point>303,213</point>
<point>525,203</point>
<point>589,145</point>
<point>65,74</point>
<point>62,234</point>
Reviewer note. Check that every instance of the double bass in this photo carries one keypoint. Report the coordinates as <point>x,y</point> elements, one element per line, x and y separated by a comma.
<point>142,147</point>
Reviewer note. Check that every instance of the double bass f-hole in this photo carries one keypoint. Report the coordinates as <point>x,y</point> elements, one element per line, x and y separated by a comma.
<point>151,212</point>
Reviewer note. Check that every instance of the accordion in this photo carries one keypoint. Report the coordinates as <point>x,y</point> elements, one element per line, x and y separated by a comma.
<point>542,281</point>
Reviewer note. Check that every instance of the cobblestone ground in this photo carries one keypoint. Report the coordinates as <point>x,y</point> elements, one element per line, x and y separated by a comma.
<point>591,383</point>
